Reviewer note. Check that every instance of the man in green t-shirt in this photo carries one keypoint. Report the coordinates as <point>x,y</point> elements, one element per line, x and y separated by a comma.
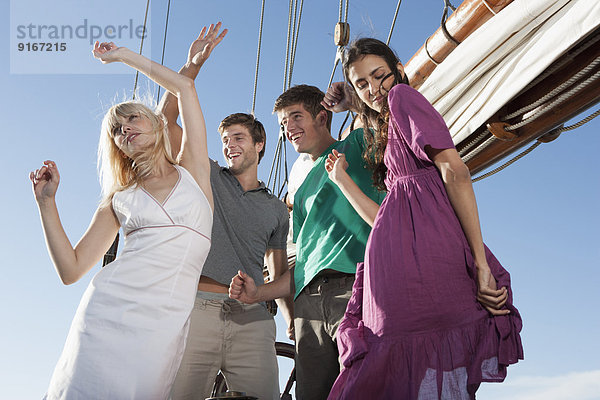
<point>330,239</point>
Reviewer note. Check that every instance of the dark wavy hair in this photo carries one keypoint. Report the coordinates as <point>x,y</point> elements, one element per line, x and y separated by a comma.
<point>375,123</point>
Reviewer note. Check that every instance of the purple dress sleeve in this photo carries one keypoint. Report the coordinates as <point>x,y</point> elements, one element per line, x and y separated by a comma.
<point>417,121</point>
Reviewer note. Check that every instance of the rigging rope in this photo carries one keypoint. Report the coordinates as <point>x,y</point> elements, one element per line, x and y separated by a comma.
<point>532,147</point>
<point>393,23</point>
<point>339,52</point>
<point>287,48</point>
<point>260,29</point>
<point>295,42</point>
<point>276,180</point>
<point>540,101</point>
<point>162,57</point>
<point>294,18</point>
<point>580,123</point>
<point>503,166</point>
<point>141,47</point>
<point>341,10</point>
<point>291,45</point>
<point>338,57</point>
<point>342,36</point>
<point>554,92</point>
<point>346,12</point>
<point>275,172</point>
<point>473,142</point>
<point>479,149</point>
<point>561,99</point>
<point>111,253</point>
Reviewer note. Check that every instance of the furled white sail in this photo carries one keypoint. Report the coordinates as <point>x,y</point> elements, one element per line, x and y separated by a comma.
<point>503,56</point>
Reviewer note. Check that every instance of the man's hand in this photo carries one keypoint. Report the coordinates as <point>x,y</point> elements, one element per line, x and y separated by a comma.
<point>201,48</point>
<point>243,288</point>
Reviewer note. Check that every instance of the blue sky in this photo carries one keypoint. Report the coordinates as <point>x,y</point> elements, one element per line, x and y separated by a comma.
<point>539,216</point>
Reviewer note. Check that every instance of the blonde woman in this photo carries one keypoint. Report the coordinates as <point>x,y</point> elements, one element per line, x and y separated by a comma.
<point>128,335</point>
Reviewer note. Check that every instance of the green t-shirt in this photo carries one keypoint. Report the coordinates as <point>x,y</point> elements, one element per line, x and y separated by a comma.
<point>328,232</point>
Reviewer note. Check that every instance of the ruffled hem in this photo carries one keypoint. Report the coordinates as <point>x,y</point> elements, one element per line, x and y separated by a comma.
<point>446,364</point>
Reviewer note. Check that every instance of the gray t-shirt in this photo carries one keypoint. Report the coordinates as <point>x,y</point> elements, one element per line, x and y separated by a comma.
<point>245,225</point>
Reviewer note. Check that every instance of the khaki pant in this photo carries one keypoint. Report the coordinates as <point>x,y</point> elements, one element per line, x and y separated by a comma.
<point>318,311</point>
<point>236,338</point>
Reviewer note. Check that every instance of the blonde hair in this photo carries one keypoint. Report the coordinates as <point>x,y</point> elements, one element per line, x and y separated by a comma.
<point>116,170</point>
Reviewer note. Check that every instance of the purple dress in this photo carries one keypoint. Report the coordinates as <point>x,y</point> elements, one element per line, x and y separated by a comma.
<point>413,328</point>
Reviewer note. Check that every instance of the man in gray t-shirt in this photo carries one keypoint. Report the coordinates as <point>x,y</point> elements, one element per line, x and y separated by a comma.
<point>249,227</point>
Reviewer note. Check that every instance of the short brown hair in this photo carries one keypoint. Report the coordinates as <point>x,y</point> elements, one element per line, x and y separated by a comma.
<point>309,96</point>
<point>254,126</point>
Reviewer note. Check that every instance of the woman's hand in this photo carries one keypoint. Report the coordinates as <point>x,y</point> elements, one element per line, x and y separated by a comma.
<point>336,166</point>
<point>243,288</point>
<point>45,181</point>
<point>338,98</point>
<point>491,299</point>
<point>107,52</point>
<point>201,48</point>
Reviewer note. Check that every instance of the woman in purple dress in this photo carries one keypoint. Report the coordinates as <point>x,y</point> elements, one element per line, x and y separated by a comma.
<point>431,315</point>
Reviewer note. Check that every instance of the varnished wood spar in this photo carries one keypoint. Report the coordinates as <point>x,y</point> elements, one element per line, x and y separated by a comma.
<point>469,16</point>
<point>583,100</point>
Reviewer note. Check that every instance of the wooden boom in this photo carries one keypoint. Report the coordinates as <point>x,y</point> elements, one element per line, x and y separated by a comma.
<point>491,142</point>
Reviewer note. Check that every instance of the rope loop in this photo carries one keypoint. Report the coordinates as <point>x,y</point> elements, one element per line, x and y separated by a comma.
<point>489,7</point>
<point>428,54</point>
<point>447,6</point>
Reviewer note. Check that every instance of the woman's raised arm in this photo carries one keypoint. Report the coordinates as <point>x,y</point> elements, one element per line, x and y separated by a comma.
<point>194,153</point>
<point>199,52</point>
